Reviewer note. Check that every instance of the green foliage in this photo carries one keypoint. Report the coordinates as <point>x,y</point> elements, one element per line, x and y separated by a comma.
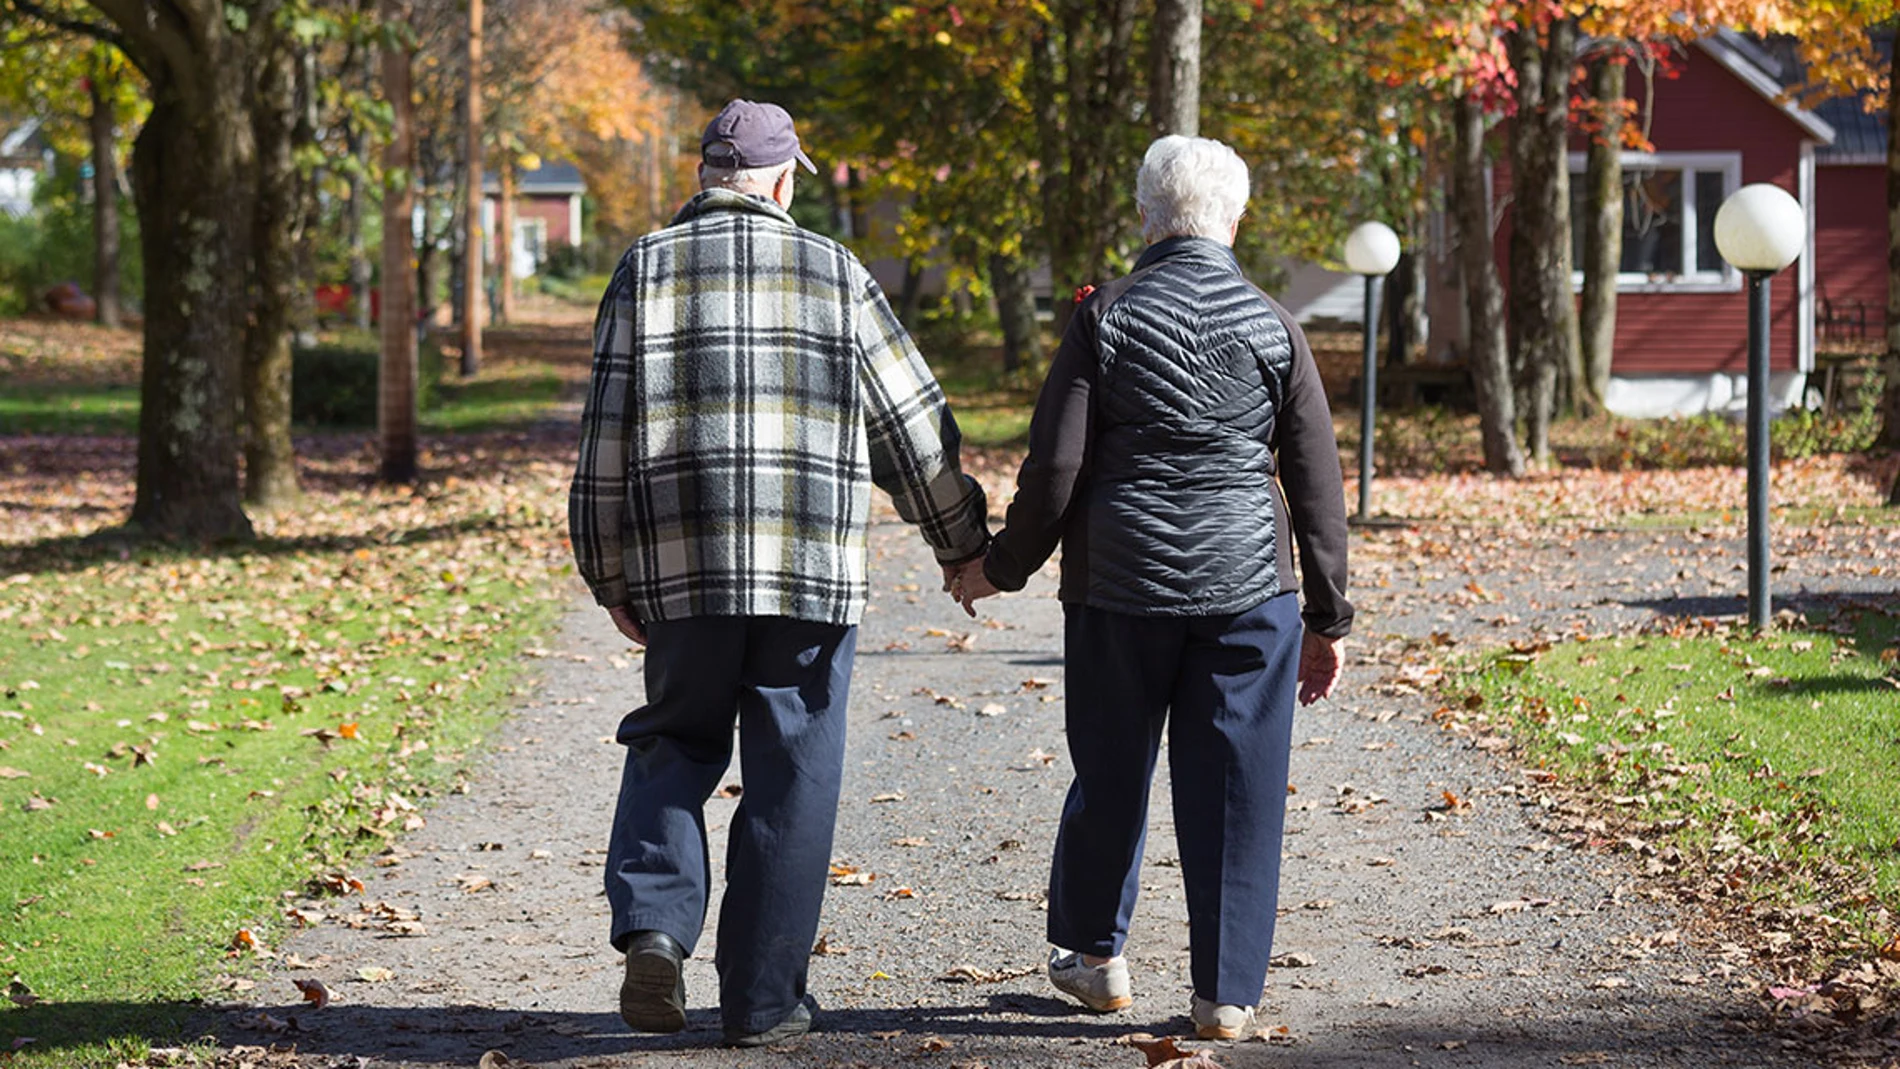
<point>334,384</point>
<point>54,244</point>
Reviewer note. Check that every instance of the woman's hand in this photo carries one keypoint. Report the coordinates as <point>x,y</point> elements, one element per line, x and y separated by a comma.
<point>1319,667</point>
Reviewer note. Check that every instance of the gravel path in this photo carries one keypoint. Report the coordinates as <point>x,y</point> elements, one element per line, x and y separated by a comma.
<point>1411,936</point>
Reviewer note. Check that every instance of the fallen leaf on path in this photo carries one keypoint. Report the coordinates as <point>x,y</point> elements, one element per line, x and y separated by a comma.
<point>375,974</point>
<point>1293,961</point>
<point>970,974</point>
<point>888,796</point>
<point>314,991</point>
<point>933,1045</point>
<point>495,1059</point>
<point>1164,1053</point>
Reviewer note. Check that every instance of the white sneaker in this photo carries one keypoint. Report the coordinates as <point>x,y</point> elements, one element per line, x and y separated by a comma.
<point>1213,1020</point>
<point>1103,988</point>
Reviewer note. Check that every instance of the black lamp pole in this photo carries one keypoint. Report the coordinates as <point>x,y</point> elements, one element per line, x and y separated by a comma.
<point>1758,607</point>
<point>1368,399</point>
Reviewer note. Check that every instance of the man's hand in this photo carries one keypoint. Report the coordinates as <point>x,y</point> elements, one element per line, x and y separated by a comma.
<point>968,584</point>
<point>628,624</point>
<point>1319,667</point>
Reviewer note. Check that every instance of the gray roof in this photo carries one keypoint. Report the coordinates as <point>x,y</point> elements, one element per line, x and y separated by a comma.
<point>559,177</point>
<point>1859,135</point>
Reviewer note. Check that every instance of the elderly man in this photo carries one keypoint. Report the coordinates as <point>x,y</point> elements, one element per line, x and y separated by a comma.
<point>750,384</point>
<point>1178,395</point>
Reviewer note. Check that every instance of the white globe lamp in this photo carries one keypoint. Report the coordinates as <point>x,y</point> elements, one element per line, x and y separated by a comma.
<point>1372,250</point>
<point>1760,229</point>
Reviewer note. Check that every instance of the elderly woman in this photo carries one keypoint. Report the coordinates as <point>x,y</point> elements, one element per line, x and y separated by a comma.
<point>1178,395</point>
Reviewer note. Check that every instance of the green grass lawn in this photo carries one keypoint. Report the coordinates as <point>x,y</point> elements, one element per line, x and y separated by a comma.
<point>512,396</point>
<point>185,737</point>
<point>34,408</point>
<point>1785,747</point>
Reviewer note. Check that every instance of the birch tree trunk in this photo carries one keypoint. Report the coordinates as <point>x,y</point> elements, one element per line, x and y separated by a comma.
<point>1484,298</point>
<point>1603,233</point>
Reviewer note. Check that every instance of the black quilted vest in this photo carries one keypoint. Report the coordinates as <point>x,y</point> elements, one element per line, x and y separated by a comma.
<point>1181,506</point>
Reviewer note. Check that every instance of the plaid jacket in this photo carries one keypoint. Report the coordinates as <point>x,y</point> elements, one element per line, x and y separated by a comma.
<point>750,384</point>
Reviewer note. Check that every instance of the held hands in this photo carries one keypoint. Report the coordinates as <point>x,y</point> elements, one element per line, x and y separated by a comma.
<point>967,584</point>
<point>1319,667</point>
<point>628,624</point>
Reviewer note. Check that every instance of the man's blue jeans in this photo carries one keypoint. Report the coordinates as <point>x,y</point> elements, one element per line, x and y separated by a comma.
<point>786,683</point>
<point>1223,686</point>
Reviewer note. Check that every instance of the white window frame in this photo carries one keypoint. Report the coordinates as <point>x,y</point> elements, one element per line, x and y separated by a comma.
<point>1700,279</point>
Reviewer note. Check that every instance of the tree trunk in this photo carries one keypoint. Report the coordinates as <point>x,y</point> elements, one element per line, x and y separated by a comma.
<point>191,167</point>
<point>1543,310</point>
<point>505,241</point>
<point>270,462</point>
<point>1890,393</point>
<point>1484,299</point>
<point>1016,308</point>
<point>1603,231</point>
<point>472,292</point>
<point>396,380</point>
<point>1174,86</point>
<point>105,201</point>
<point>655,183</point>
<point>1082,86</point>
<point>359,256</point>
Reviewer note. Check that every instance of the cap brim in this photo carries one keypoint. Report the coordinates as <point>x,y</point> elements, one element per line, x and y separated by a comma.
<point>799,154</point>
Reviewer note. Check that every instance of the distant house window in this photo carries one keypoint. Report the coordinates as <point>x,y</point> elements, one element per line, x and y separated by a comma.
<point>1669,205</point>
<point>531,246</point>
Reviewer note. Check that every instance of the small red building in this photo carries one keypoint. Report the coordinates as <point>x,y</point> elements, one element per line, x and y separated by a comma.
<point>547,213</point>
<point>1723,118</point>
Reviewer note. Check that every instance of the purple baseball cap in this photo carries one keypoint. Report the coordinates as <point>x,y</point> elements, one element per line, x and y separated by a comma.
<point>747,134</point>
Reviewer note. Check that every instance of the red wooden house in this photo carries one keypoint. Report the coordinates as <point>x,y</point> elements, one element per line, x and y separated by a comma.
<point>547,213</point>
<point>1724,120</point>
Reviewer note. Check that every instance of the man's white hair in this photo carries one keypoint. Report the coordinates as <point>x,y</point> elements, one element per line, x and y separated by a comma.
<point>1190,187</point>
<point>758,180</point>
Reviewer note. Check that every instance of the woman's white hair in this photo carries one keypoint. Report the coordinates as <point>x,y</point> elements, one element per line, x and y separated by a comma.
<point>1190,187</point>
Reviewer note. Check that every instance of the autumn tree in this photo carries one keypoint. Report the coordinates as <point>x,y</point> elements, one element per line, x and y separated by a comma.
<point>87,95</point>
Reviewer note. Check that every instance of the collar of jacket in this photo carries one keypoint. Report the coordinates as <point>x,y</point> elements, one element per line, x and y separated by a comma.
<point>726,200</point>
<point>1189,248</point>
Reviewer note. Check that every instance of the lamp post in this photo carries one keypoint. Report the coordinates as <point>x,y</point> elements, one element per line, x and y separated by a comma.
<point>1372,250</point>
<point>1759,229</point>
